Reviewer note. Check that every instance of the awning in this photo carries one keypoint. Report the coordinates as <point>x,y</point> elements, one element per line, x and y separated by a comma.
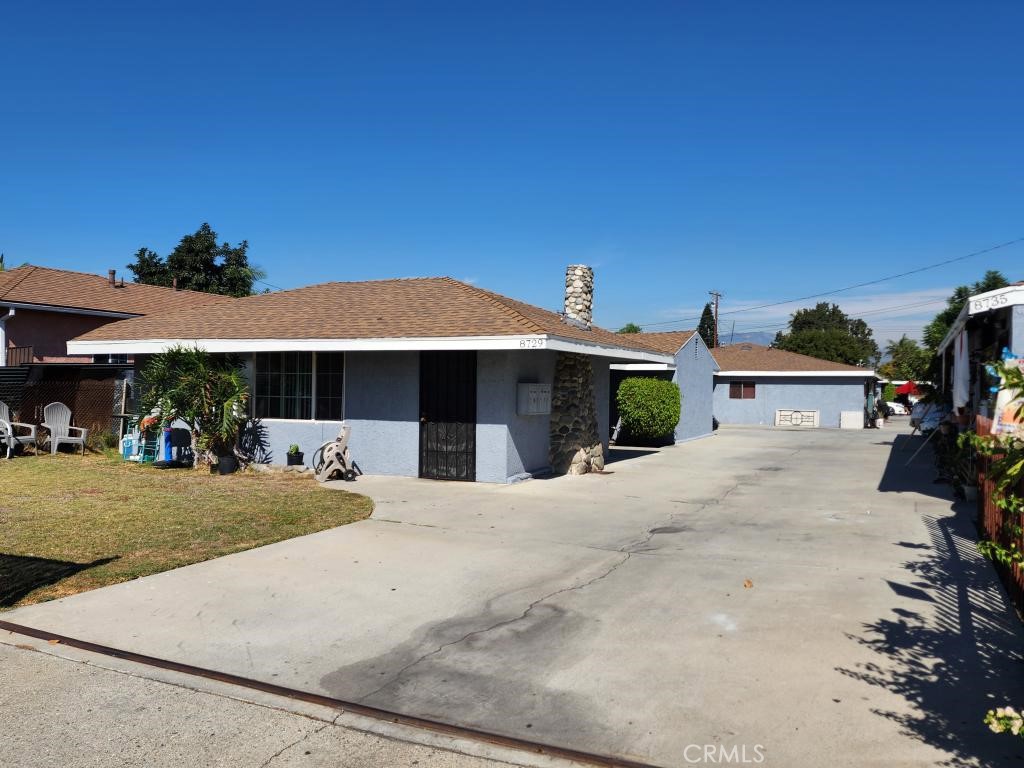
<point>908,388</point>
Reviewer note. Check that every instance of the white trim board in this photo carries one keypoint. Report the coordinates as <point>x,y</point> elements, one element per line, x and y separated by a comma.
<point>798,374</point>
<point>642,367</point>
<point>524,343</point>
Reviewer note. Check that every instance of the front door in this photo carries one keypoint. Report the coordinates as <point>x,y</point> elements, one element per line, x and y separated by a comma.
<point>448,415</point>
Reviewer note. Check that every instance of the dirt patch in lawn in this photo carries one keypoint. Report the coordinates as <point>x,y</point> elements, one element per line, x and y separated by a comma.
<point>69,524</point>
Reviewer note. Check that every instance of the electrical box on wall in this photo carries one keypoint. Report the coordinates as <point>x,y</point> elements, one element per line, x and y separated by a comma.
<point>533,399</point>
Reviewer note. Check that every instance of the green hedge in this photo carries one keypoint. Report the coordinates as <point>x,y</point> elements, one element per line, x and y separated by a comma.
<point>889,393</point>
<point>649,408</point>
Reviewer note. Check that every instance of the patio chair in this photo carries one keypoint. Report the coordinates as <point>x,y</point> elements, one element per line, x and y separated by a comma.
<point>16,432</point>
<point>57,420</point>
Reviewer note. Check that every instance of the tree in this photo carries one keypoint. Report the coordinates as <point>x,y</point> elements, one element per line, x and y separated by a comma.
<point>937,329</point>
<point>207,392</point>
<point>630,328</point>
<point>826,332</point>
<point>199,264</point>
<point>907,360</point>
<point>706,327</point>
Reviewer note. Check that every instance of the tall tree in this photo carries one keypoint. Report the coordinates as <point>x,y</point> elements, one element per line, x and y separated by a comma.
<point>937,329</point>
<point>706,327</point>
<point>630,328</point>
<point>826,332</point>
<point>907,360</point>
<point>199,264</point>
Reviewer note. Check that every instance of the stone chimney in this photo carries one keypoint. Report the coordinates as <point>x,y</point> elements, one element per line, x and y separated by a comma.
<point>575,446</point>
<point>111,277</point>
<point>579,294</point>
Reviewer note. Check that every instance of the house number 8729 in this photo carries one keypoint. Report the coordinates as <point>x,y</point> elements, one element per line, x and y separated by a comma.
<point>531,343</point>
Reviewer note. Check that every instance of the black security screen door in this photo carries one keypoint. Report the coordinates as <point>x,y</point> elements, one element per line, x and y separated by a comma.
<point>448,415</point>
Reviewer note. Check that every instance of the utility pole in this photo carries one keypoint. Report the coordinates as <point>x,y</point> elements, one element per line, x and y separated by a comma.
<point>716,295</point>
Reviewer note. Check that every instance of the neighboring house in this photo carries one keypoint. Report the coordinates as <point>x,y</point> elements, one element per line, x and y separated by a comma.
<point>762,385</point>
<point>42,308</point>
<point>437,378</point>
<point>988,322</point>
<point>692,368</point>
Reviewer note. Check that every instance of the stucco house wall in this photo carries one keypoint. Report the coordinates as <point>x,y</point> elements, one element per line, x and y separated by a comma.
<point>827,394</point>
<point>382,407</point>
<point>695,373</point>
<point>508,445</point>
<point>48,332</point>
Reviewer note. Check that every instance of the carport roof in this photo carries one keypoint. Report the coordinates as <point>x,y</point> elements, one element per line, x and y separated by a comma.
<point>412,313</point>
<point>757,359</point>
<point>668,342</point>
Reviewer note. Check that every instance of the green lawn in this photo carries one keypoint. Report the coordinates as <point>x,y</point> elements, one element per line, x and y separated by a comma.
<point>70,524</point>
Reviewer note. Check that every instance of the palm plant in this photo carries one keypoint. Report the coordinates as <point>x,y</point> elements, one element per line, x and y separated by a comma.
<point>208,392</point>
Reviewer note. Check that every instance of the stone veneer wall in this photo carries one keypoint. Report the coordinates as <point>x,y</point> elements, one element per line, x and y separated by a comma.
<point>575,444</point>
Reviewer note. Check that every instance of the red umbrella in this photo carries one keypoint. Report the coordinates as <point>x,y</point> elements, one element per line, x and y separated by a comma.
<point>910,388</point>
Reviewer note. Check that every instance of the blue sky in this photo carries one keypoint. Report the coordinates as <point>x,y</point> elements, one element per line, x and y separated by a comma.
<point>768,150</point>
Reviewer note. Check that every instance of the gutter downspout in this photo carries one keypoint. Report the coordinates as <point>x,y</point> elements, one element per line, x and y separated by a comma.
<point>3,335</point>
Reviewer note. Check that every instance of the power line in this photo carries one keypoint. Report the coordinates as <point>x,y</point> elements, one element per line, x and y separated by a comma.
<point>880,311</point>
<point>936,265</point>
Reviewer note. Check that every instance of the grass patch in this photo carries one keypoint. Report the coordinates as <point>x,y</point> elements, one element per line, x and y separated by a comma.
<point>69,524</point>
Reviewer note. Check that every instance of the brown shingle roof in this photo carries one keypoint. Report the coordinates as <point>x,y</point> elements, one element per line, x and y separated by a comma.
<point>754,357</point>
<point>668,342</point>
<point>407,308</point>
<point>80,290</point>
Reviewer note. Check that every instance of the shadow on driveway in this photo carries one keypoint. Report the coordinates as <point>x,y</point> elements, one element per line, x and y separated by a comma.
<point>952,649</point>
<point>917,477</point>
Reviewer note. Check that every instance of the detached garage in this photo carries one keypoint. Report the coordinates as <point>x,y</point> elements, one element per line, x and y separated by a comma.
<point>772,387</point>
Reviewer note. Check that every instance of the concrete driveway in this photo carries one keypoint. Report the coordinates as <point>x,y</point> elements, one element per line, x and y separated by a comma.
<point>796,596</point>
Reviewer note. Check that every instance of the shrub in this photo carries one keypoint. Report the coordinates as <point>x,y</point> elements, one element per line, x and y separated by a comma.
<point>889,393</point>
<point>649,407</point>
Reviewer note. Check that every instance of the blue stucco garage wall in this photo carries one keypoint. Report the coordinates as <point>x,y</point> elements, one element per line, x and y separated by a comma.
<point>695,375</point>
<point>828,395</point>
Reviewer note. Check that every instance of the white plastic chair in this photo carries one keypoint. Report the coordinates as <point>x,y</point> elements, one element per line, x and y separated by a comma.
<point>57,420</point>
<point>16,432</point>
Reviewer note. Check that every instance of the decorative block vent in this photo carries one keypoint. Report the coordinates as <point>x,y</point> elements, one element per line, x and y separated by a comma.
<point>792,418</point>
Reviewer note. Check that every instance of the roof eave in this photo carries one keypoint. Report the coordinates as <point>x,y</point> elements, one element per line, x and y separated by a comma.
<point>68,309</point>
<point>865,374</point>
<point>526,342</point>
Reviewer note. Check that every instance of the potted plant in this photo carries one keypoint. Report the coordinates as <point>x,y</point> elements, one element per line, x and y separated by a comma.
<point>294,456</point>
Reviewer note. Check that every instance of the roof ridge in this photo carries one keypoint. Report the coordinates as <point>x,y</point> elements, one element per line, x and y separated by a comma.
<point>30,269</point>
<point>659,333</point>
<point>343,282</point>
<point>497,300</point>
